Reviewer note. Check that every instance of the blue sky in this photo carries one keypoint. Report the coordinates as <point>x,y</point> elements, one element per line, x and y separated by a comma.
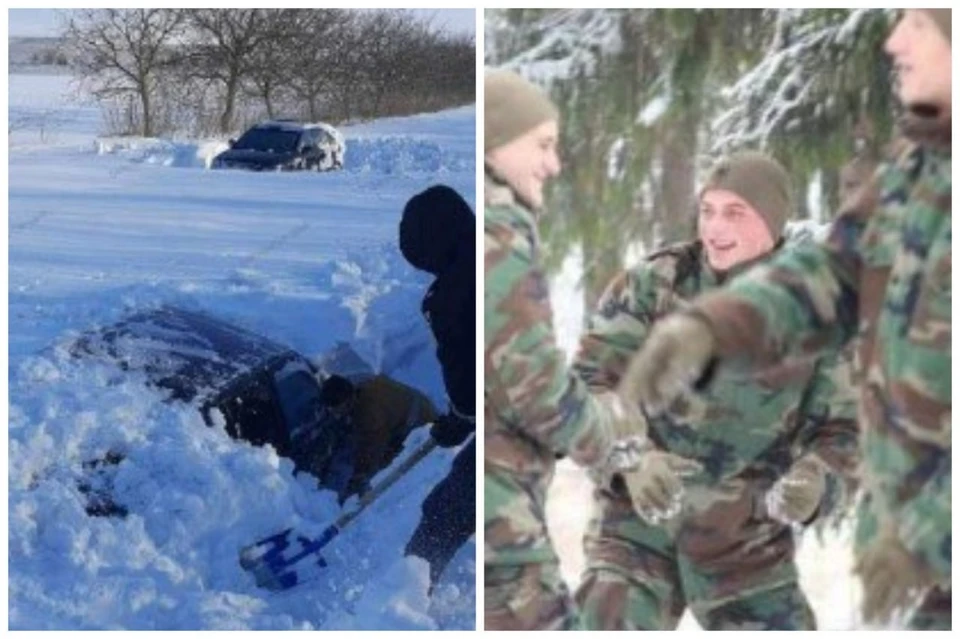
<point>43,22</point>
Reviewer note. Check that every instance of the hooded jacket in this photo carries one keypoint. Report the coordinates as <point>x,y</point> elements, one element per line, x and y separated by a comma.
<point>437,235</point>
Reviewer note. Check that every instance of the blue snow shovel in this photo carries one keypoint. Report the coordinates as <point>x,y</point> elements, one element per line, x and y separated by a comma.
<point>275,569</point>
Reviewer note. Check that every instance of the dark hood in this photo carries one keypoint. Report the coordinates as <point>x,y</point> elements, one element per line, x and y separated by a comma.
<point>437,228</point>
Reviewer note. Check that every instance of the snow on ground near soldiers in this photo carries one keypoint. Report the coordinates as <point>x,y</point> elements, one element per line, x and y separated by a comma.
<point>100,228</point>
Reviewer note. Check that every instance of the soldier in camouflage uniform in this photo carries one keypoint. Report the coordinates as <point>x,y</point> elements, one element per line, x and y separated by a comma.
<point>535,409</point>
<point>882,277</point>
<point>776,450</point>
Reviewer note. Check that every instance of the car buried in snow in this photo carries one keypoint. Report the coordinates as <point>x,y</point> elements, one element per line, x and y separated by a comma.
<point>284,145</point>
<point>259,390</point>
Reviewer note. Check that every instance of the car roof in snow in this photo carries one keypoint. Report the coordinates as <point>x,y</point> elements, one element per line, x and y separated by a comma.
<point>286,125</point>
<point>184,349</point>
<point>293,125</point>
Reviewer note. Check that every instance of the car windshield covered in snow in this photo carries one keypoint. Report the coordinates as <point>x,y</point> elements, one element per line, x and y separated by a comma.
<point>270,140</point>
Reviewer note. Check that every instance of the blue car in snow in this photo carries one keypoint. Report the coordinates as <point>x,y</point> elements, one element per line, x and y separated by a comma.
<point>284,145</point>
<point>262,391</point>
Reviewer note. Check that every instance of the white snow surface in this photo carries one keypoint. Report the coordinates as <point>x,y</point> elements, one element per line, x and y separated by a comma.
<point>101,227</point>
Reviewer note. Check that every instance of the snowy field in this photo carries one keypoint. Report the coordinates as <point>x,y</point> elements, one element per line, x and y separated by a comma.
<point>825,563</point>
<point>100,228</point>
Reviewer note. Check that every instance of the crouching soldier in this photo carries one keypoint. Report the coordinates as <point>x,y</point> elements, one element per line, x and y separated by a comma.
<point>375,417</point>
<point>777,450</point>
<point>882,276</point>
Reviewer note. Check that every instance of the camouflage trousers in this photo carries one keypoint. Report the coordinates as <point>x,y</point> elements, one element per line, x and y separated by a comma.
<point>935,613</point>
<point>527,597</point>
<point>722,557</point>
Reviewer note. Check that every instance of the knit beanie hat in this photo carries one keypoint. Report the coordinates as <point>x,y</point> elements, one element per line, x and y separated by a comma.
<point>511,107</point>
<point>942,18</point>
<point>758,179</point>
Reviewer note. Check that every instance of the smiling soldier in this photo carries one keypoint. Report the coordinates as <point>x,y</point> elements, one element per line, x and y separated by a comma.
<point>777,450</point>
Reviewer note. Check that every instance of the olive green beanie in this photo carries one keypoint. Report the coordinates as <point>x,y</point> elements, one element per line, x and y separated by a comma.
<point>511,107</point>
<point>758,179</point>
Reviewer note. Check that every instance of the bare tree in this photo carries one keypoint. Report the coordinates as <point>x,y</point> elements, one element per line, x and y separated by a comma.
<point>120,53</point>
<point>226,41</point>
<point>271,64</point>
<point>320,57</point>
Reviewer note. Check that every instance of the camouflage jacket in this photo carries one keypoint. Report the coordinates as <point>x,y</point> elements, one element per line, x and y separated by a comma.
<point>745,427</point>
<point>883,276</point>
<point>534,408</point>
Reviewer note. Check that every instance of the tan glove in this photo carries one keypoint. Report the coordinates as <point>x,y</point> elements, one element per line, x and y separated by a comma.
<point>656,486</point>
<point>796,496</point>
<point>628,438</point>
<point>674,356</point>
<point>894,584</point>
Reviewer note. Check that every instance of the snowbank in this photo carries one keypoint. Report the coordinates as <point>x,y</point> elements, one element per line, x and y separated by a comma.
<point>99,229</point>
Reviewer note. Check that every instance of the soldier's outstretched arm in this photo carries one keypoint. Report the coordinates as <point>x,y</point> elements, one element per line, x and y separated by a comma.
<point>525,372</point>
<point>804,301</point>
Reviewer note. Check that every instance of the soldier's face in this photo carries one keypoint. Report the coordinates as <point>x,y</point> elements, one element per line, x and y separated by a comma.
<point>527,162</point>
<point>921,57</point>
<point>731,230</point>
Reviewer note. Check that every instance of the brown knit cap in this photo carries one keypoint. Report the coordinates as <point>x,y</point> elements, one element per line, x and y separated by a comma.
<point>942,18</point>
<point>758,179</point>
<point>511,107</point>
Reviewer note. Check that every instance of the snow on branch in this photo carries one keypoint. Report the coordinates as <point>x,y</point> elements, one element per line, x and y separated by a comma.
<point>567,42</point>
<point>767,99</point>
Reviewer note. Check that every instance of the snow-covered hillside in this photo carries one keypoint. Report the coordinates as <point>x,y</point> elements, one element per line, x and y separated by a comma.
<point>99,229</point>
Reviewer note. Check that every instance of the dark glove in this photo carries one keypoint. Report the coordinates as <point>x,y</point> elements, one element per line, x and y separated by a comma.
<point>356,486</point>
<point>450,430</point>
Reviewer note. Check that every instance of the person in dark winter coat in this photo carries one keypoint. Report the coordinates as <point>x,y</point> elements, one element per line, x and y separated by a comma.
<point>437,235</point>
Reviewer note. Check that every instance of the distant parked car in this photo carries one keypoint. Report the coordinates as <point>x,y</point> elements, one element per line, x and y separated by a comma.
<point>284,145</point>
<point>265,392</point>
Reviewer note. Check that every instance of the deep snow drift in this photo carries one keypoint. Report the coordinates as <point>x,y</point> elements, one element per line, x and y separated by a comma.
<point>98,229</point>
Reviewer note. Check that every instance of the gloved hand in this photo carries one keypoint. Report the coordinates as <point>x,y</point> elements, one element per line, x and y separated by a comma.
<point>894,583</point>
<point>626,420</point>
<point>676,354</point>
<point>356,486</point>
<point>796,496</point>
<point>450,430</point>
<point>656,486</point>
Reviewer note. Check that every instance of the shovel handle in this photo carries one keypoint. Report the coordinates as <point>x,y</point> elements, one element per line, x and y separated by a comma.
<point>371,495</point>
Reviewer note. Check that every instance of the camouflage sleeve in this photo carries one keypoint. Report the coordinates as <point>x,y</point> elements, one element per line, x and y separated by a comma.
<point>925,521</point>
<point>526,377</point>
<point>829,429</point>
<point>802,302</point>
<point>616,330</point>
